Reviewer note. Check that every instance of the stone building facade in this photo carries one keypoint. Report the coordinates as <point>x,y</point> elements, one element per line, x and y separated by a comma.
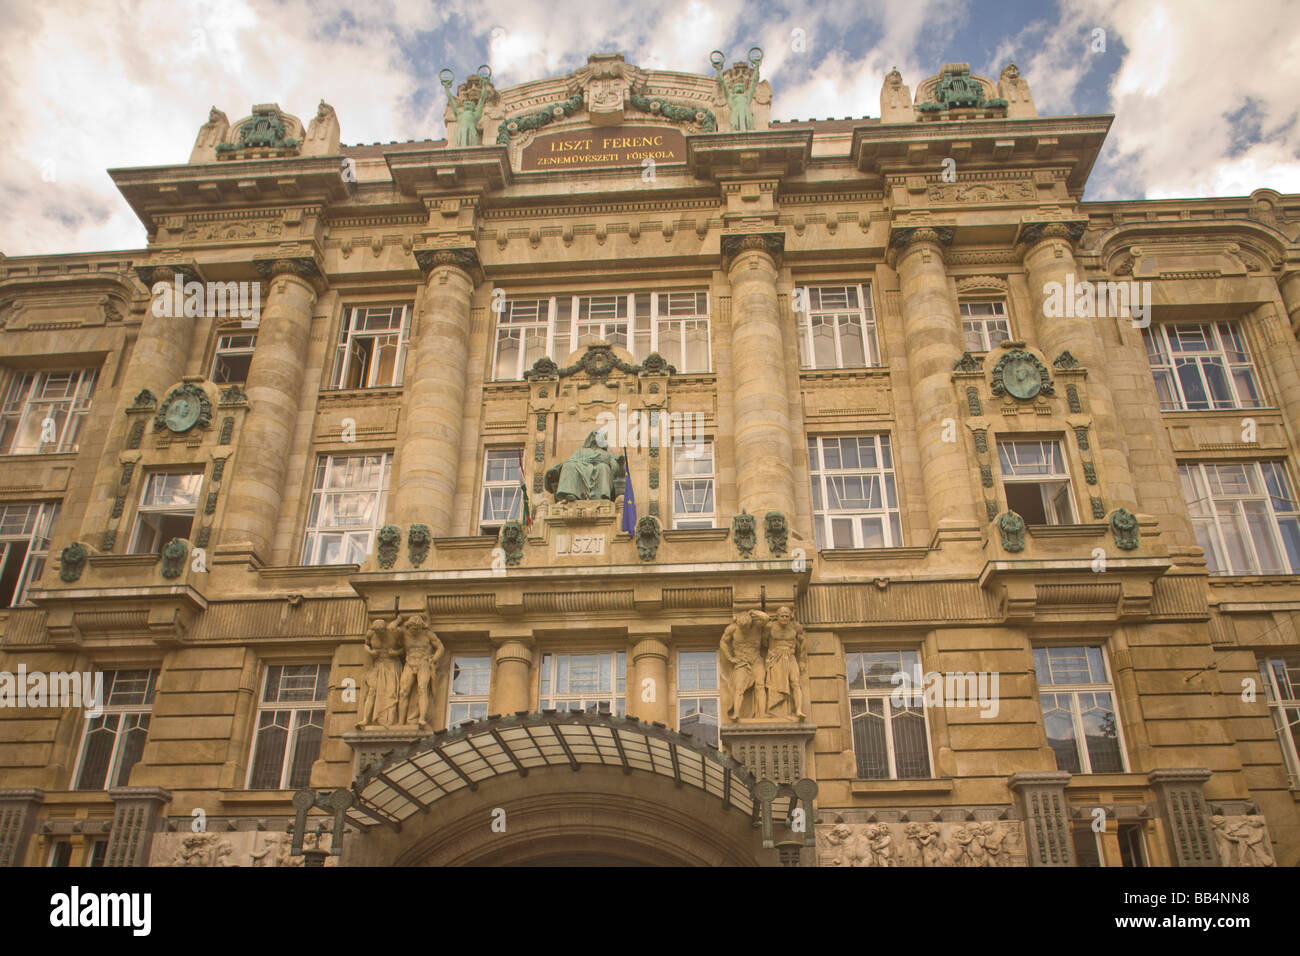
<point>1022,467</point>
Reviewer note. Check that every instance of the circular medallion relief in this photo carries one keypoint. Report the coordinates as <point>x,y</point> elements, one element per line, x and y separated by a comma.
<point>1020,375</point>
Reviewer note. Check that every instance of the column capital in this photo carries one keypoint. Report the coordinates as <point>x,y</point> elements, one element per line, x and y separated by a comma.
<point>515,649</point>
<point>152,273</point>
<point>905,239</point>
<point>649,645</point>
<point>1032,234</point>
<point>734,243</point>
<point>303,267</point>
<point>464,258</point>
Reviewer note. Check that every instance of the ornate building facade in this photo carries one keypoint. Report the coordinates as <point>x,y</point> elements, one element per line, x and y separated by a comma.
<point>634,478</point>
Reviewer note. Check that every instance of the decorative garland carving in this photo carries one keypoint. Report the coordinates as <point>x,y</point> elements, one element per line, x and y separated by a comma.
<point>598,362</point>
<point>173,557</point>
<point>1124,525</point>
<point>72,561</point>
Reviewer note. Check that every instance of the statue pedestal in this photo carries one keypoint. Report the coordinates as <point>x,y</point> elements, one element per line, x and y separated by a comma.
<point>373,741</point>
<point>771,749</point>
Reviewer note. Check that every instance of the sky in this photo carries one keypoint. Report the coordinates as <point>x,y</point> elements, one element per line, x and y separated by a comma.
<point>1204,92</point>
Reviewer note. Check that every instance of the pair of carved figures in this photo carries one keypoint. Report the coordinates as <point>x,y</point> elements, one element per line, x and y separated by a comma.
<point>923,844</point>
<point>1242,841</point>
<point>768,658</point>
<point>397,688</point>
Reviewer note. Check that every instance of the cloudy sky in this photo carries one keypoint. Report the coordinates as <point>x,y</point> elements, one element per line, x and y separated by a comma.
<point>1204,91</point>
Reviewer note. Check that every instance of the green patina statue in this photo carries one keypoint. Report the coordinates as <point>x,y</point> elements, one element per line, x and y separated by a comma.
<point>590,474</point>
<point>468,112</point>
<point>739,93</point>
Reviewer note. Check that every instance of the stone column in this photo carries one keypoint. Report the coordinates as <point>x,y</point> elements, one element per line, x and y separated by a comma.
<point>274,391</point>
<point>158,360</point>
<point>1290,286</point>
<point>428,456</point>
<point>511,690</point>
<point>934,343</point>
<point>1187,818</point>
<point>763,430</point>
<point>1049,258</point>
<point>134,823</point>
<point>649,663</point>
<point>1048,840</point>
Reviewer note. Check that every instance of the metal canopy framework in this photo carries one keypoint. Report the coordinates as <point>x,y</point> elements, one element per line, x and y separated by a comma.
<point>412,779</point>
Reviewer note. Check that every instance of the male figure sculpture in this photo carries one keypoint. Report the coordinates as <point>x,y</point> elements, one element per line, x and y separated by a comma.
<point>423,651</point>
<point>467,114</point>
<point>739,96</point>
<point>589,473</point>
<point>742,647</point>
<point>787,659</point>
<point>378,700</point>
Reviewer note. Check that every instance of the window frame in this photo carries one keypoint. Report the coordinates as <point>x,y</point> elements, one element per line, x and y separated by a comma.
<point>472,700</point>
<point>123,711</point>
<point>296,726</point>
<point>38,546</point>
<point>1194,477</point>
<point>1063,479</point>
<point>218,351</point>
<point>891,516</point>
<point>888,714</point>
<point>142,510</point>
<point>15,412</point>
<point>493,526</point>
<point>617,700</point>
<point>685,695</point>
<point>982,321</point>
<point>1076,710</point>
<point>320,487</point>
<point>561,327</point>
<point>1157,343</point>
<point>345,347</point>
<point>695,518</point>
<point>1279,705</point>
<point>865,313</point>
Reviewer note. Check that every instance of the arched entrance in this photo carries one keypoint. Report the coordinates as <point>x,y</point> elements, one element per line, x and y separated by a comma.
<point>554,789</point>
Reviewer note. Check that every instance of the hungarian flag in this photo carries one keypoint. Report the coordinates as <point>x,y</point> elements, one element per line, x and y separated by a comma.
<point>629,500</point>
<point>527,515</point>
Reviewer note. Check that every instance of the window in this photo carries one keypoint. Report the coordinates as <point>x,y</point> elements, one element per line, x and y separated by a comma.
<point>1281,679</point>
<point>372,347</point>
<point>348,500</point>
<point>693,485</point>
<point>502,489</point>
<point>60,853</point>
<point>1201,366</point>
<point>1087,845</point>
<point>697,695</point>
<point>290,723</point>
<point>115,739</point>
<point>98,853</point>
<point>838,329</point>
<point>855,503</point>
<point>1244,516</point>
<point>470,679</point>
<point>1132,848</point>
<point>1036,482</point>
<point>1079,709</point>
<point>233,356</point>
<point>44,411</point>
<point>984,324</point>
<point>595,683</point>
<point>674,324</point>
<point>24,546</point>
<point>891,733</point>
<point>166,509</point>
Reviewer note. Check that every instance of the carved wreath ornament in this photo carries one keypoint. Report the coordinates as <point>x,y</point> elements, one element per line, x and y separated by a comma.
<point>1020,375</point>
<point>185,407</point>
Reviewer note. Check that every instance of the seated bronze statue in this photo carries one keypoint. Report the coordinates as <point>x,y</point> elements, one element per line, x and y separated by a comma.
<point>590,474</point>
